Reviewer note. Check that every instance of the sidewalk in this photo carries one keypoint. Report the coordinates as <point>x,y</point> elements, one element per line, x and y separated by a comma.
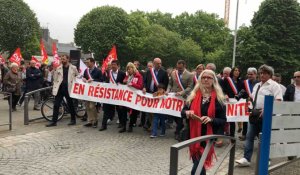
<point>35,149</point>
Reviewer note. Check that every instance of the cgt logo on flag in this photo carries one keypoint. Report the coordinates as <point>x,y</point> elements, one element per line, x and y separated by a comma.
<point>16,57</point>
<point>111,56</point>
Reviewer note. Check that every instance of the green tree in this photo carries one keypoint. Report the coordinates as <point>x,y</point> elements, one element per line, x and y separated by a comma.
<point>276,28</point>
<point>164,19</point>
<point>100,28</point>
<point>19,27</point>
<point>205,29</point>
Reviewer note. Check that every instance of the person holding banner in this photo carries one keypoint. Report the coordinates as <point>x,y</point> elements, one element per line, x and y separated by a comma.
<point>114,76</point>
<point>206,112</point>
<point>153,77</point>
<point>246,92</point>
<point>181,83</point>
<point>63,77</point>
<point>133,79</point>
<point>91,74</point>
<point>232,86</point>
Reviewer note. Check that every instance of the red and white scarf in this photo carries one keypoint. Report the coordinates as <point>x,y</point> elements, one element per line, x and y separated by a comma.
<point>196,150</point>
<point>247,87</point>
<point>111,77</point>
<point>178,80</point>
<point>232,85</point>
<point>88,73</point>
<point>154,78</point>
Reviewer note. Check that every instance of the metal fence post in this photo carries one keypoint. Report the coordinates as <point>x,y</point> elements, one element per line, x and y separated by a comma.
<point>231,158</point>
<point>26,117</point>
<point>173,161</point>
<point>266,136</point>
<point>10,111</point>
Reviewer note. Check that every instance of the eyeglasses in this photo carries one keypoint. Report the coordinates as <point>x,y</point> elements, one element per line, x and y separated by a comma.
<point>206,77</point>
<point>296,76</point>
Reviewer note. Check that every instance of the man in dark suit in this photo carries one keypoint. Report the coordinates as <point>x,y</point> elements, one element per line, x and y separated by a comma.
<point>33,82</point>
<point>114,76</point>
<point>91,74</point>
<point>153,77</point>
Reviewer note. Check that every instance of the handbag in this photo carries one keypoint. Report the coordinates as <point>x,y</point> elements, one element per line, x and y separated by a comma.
<point>10,88</point>
<point>255,113</point>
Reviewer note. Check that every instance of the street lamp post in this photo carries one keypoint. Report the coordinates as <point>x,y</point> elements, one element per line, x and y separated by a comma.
<point>235,33</point>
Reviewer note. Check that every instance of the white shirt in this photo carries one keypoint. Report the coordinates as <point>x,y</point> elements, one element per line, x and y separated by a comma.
<point>297,94</point>
<point>283,89</point>
<point>270,87</point>
<point>115,75</point>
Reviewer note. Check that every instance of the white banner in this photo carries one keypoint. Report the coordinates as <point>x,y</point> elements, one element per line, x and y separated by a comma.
<point>122,95</point>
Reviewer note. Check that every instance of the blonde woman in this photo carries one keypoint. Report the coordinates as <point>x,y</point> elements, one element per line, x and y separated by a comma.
<point>206,113</point>
<point>133,79</point>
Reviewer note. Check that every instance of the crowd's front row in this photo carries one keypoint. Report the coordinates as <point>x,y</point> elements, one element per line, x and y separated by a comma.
<point>204,91</point>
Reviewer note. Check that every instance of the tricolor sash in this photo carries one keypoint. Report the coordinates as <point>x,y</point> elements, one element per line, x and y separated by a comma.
<point>112,78</point>
<point>88,73</point>
<point>232,85</point>
<point>195,78</point>
<point>248,87</point>
<point>178,80</point>
<point>154,78</point>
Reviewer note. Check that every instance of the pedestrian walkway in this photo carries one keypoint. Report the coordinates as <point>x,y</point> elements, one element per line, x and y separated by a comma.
<point>35,149</point>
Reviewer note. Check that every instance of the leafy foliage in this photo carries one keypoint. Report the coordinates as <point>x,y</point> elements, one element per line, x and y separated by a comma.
<point>18,28</point>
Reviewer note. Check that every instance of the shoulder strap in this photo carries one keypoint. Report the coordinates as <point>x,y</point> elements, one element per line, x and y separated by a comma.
<point>255,98</point>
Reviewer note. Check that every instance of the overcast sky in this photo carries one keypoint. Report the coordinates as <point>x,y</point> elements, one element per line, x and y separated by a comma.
<point>62,16</point>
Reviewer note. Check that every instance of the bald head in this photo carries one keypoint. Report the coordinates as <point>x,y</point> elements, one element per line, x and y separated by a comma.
<point>32,63</point>
<point>157,63</point>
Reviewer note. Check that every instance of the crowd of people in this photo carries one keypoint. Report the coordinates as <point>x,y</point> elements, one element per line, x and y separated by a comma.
<point>205,93</point>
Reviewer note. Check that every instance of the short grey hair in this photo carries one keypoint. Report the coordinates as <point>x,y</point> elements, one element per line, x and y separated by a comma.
<point>14,65</point>
<point>227,69</point>
<point>266,68</point>
<point>212,65</point>
<point>252,69</point>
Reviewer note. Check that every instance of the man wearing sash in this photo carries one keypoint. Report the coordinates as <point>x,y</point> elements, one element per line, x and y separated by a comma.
<point>91,74</point>
<point>246,92</point>
<point>153,77</point>
<point>115,76</point>
<point>181,83</point>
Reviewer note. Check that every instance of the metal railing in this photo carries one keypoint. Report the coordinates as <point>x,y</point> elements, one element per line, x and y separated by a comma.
<point>26,101</point>
<point>6,94</point>
<point>210,138</point>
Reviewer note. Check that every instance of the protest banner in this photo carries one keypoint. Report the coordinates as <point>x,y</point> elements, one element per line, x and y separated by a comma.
<point>127,96</point>
<point>236,111</point>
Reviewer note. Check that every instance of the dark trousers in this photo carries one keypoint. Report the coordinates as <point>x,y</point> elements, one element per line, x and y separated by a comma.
<point>108,113</point>
<point>15,99</point>
<point>143,118</point>
<point>133,117</point>
<point>179,124</point>
<point>245,128</point>
<point>63,92</point>
<point>195,166</point>
<point>122,114</point>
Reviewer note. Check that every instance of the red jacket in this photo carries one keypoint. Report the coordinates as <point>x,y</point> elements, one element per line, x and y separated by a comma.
<point>136,82</point>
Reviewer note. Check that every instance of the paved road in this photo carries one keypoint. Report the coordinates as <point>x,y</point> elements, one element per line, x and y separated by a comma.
<point>35,149</point>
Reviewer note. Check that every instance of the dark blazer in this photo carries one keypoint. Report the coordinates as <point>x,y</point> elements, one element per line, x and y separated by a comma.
<point>227,88</point>
<point>96,75</point>
<point>33,79</point>
<point>162,78</point>
<point>289,93</point>
<point>120,77</point>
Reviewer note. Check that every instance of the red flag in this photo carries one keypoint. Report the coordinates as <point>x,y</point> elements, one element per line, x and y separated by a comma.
<point>2,60</point>
<point>43,53</point>
<point>110,57</point>
<point>37,64</point>
<point>16,57</point>
<point>56,59</point>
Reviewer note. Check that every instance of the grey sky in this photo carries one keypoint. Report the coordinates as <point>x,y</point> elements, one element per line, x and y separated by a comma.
<point>62,16</point>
